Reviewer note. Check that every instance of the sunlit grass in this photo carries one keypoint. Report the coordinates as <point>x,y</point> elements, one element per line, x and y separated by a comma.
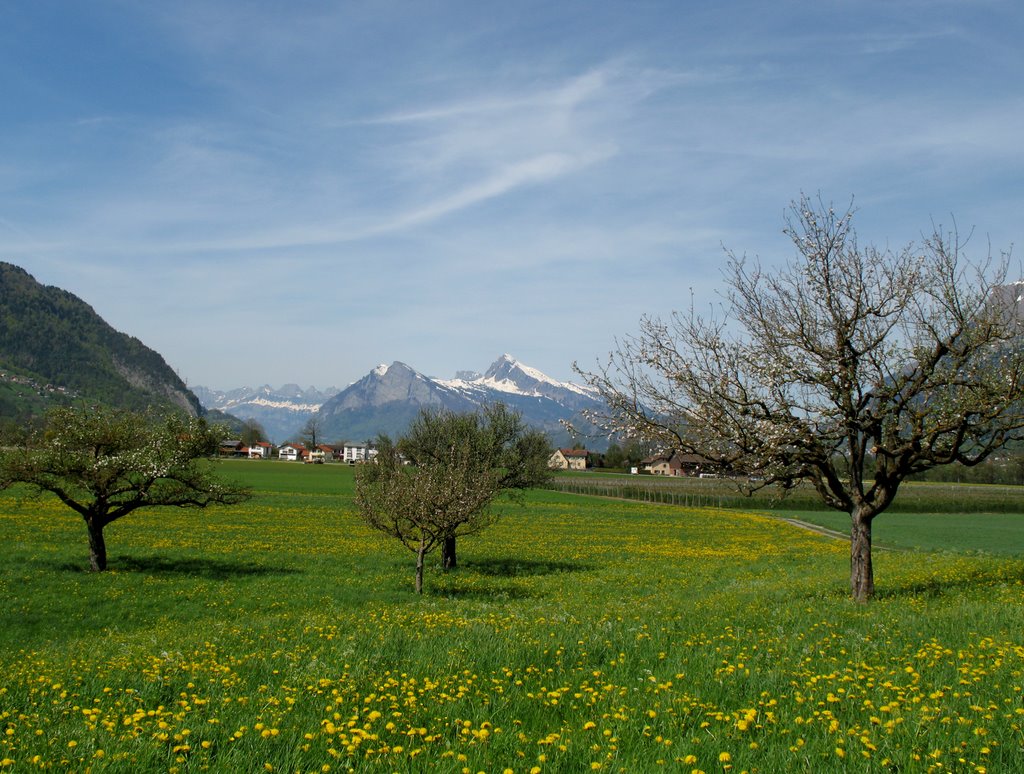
<point>578,634</point>
<point>990,533</point>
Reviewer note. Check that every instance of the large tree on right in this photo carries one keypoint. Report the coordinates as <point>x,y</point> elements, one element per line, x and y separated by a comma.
<point>850,367</point>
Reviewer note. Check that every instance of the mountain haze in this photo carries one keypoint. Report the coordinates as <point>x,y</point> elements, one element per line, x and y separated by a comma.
<point>281,411</point>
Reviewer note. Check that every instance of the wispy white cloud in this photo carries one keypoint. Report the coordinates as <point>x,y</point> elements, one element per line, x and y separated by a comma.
<point>405,162</point>
<point>529,172</point>
<point>878,42</point>
<point>562,98</point>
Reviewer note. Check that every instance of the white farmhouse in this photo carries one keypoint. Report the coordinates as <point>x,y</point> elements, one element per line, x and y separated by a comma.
<point>259,451</point>
<point>291,452</point>
<point>353,452</point>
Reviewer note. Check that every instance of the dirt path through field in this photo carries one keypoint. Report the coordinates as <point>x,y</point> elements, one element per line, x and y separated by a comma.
<point>815,528</point>
<point>834,534</point>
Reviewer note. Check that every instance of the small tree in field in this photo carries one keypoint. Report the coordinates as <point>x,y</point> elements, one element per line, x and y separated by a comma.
<point>498,442</point>
<point>105,463</point>
<point>439,481</point>
<point>850,368</point>
<point>417,505</point>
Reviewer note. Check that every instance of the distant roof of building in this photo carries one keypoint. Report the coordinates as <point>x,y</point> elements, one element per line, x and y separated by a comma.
<point>675,456</point>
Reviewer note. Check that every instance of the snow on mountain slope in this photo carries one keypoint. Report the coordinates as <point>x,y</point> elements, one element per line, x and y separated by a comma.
<point>388,398</point>
<point>281,411</point>
<point>510,376</point>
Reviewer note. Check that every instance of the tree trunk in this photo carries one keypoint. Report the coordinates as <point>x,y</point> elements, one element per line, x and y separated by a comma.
<point>97,545</point>
<point>448,560</point>
<point>419,566</point>
<point>862,574</point>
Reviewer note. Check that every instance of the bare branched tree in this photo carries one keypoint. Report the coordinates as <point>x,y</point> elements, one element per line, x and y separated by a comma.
<point>312,431</point>
<point>497,442</point>
<point>439,481</point>
<point>419,505</point>
<point>850,367</point>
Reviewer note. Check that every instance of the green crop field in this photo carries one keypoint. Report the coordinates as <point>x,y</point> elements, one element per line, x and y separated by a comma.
<point>579,634</point>
<point>914,497</point>
<point>987,533</point>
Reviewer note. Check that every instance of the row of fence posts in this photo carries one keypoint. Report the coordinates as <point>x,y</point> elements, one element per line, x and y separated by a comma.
<point>660,493</point>
<point>647,494</point>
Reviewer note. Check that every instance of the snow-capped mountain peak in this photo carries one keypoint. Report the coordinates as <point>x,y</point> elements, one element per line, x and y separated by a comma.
<point>389,397</point>
<point>507,374</point>
<point>281,411</point>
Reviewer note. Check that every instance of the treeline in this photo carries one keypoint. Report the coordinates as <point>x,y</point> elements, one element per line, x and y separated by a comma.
<point>1006,468</point>
<point>618,457</point>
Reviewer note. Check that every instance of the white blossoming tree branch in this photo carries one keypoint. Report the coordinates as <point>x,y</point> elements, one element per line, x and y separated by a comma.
<point>106,463</point>
<point>850,367</point>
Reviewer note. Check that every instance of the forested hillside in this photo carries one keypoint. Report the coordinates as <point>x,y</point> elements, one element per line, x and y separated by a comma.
<point>54,348</point>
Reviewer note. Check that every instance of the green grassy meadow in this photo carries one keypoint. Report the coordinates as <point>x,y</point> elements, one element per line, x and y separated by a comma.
<point>579,634</point>
<point>986,533</point>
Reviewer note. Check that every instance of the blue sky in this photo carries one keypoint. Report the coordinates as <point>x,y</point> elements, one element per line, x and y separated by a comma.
<point>269,192</point>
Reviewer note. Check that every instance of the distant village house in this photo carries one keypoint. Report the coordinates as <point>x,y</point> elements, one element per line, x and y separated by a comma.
<point>331,453</point>
<point>318,456</point>
<point>260,451</point>
<point>292,452</point>
<point>353,452</point>
<point>231,448</point>
<point>569,459</point>
<point>675,463</point>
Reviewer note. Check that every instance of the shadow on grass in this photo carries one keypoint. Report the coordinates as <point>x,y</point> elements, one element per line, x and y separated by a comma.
<point>202,568</point>
<point>486,593</point>
<point>514,567</point>
<point>937,587</point>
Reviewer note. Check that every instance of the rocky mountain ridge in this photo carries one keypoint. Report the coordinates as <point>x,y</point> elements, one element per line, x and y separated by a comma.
<point>389,397</point>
